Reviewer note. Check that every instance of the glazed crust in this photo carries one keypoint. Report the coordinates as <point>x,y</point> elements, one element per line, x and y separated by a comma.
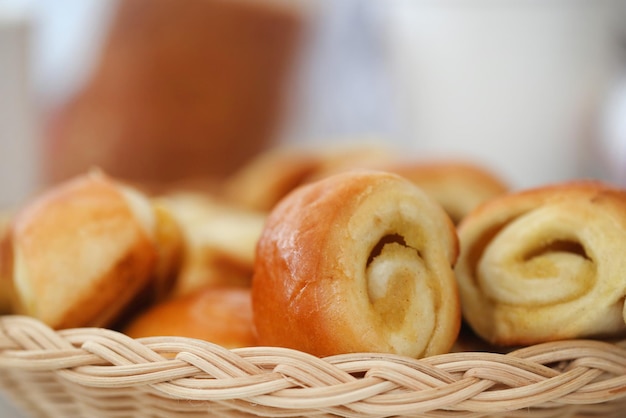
<point>357,262</point>
<point>545,264</point>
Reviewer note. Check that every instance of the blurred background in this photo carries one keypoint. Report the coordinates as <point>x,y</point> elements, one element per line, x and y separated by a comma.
<point>159,91</point>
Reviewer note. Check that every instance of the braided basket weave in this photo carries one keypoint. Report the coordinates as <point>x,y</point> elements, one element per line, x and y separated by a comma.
<point>103,373</point>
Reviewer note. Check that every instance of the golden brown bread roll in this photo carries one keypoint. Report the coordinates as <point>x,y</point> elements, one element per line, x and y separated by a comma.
<point>84,250</point>
<point>358,261</point>
<point>220,240</point>
<point>221,315</point>
<point>545,264</point>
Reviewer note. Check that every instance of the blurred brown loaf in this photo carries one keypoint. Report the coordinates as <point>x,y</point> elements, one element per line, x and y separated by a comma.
<point>180,90</point>
<point>545,264</point>
<point>358,261</point>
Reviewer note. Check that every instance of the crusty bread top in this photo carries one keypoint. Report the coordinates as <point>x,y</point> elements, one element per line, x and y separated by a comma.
<point>82,250</point>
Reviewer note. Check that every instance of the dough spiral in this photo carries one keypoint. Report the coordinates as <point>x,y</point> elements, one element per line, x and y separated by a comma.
<point>358,261</point>
<point>545,264</point>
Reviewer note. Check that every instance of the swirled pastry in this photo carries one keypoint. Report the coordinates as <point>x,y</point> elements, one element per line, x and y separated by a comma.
<point>545,264</point>
<point>358,261</point>
<point>85,250</point>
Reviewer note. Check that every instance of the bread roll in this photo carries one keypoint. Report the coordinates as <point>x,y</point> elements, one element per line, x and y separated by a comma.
<point>220,240</point>
<point>222,315</point>
<point>358,261</point>
<point>84,250</point>
<point>272,174</point>
<point>269,176</point>
<point>459,186</point>
<point>545,264</point>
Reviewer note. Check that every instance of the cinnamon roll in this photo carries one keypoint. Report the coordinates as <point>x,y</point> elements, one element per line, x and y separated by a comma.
<point>358,261</point>
<point>545,264</point>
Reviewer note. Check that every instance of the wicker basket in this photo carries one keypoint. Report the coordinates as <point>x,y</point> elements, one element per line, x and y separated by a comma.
<point>102,373</point>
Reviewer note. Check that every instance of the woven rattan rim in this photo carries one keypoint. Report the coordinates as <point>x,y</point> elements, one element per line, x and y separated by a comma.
<point>271,381</point>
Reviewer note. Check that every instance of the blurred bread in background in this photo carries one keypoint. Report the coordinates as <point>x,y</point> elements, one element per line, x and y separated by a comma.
<point>181,90</point>
<point>458,185</point>
<point>220,240</point>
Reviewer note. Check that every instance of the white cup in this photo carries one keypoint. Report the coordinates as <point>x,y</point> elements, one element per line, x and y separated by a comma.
<point>18,147</point>
<point>514,84</point>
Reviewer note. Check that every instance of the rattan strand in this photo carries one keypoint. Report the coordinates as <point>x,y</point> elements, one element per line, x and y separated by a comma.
<point>99,372</point>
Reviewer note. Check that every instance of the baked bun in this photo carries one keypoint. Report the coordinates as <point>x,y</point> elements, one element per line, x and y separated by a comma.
<point>84,250</point>
<point>458,186</point>
<point>545,264</point>
<point>222,315</point>
<point>220,240</point>
<point>260,183</point>
<point>271,175</point>
<point>357,262</point>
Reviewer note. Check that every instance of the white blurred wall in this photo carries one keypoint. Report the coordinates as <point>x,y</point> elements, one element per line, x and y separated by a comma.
<point>17,116</point>
<point>46,50</point>
<point>517,85</point>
